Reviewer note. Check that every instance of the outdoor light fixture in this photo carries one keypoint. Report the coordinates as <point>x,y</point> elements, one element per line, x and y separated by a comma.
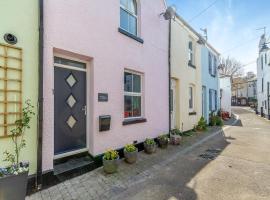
<point>10,38</point>
<point>170,13</point>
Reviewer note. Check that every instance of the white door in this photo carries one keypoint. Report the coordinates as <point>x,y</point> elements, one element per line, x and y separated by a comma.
<point>173,104</point>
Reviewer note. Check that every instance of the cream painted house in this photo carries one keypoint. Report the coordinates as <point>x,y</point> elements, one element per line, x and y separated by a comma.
<point>186,84</point>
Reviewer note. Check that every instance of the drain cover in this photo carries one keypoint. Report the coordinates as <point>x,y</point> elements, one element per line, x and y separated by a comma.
<point>210,154</point>
<point>207,156</point>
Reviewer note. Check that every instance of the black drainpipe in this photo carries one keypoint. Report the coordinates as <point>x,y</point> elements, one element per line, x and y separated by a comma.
<point>40,100</point>
<point>169,62</point>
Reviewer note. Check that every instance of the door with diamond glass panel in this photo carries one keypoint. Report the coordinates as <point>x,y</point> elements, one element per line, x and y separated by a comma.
<point>69,106</point>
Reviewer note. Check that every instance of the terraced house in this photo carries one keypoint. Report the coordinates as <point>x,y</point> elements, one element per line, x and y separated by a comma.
<point>105,78</point>
<point>19,37</point>
<point>263,78</point>
<point>186,83</point>
<point>210,81</point>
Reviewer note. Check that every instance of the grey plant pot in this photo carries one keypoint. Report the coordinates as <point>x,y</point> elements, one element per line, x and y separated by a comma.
<point>110,166</point>
<point>131,157</point>
<point>163,143</point>
<point>13,187</point>
<point>176,139</point>
<point>149,148</point>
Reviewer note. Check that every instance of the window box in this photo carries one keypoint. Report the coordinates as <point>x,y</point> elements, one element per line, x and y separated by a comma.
<point>192,113</point>
<point>134,121</point>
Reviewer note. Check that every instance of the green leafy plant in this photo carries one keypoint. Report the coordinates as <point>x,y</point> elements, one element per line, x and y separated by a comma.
<point>213,119</point>
<point>219,121</point>
<point>163,137</point>
<point>176,132</point>
<point>17,136</point>
<point>130,148</point>
<point>202,124</point>
<point>149,141</point>
<point>111,155</point>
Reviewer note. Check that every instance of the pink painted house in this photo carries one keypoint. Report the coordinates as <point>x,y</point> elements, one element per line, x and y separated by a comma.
<point>105,63</point>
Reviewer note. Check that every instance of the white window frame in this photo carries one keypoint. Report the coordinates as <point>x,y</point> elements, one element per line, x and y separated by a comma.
<point>138,94</point>
<point>130,13</point>
<point>192,87</point>
<point>191,53</point>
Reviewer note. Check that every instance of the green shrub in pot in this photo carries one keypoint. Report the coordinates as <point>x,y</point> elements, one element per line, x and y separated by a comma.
<point>163,141</point>
<point>149,146</point>
<point>110,161</point>
<point>130,153</point>
<point>13,178</point>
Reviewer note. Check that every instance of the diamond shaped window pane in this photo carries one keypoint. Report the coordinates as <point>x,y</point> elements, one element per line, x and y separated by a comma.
<point>71,121</point>
<point>71,101</point>
<point>71,80</point>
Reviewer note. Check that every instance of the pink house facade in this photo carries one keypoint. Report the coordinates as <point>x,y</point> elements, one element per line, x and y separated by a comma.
<point>105,63</point>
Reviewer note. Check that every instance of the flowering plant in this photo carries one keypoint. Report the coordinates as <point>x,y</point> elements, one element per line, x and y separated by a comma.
<point>130,148</point>
<point>111,155</point>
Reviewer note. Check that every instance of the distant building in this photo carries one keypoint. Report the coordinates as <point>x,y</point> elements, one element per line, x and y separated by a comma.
<point>263,77</point>
<point>225,93</point>
<point>244,90</point>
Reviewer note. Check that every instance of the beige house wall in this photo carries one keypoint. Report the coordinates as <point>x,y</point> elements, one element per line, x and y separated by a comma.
<point>185,75</point>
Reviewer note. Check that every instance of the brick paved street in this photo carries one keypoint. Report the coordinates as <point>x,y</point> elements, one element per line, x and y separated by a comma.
<point>97,185</point>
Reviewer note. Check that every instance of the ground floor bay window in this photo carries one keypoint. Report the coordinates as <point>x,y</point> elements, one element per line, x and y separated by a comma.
<point>132,95</point>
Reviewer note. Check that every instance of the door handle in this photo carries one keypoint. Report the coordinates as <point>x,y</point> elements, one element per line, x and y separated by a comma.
<point>84,109</point>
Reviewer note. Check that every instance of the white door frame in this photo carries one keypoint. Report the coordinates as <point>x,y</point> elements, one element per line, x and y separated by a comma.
<point>87,100</point>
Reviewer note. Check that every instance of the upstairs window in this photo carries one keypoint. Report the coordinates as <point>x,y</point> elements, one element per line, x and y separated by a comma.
<point>212,64</point>
<point>132,95</point>
<point>262,61</point>
<point>190,53</point>
<point>128,16</point>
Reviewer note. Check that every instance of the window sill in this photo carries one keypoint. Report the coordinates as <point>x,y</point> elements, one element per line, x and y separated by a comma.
<point>191,65</point>
<point>140,40</point>
<point>192,113</point>
<point>134,121</point>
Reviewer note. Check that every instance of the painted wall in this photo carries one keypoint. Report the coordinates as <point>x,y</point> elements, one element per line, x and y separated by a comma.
<point>88,30</point>
<point>185,75</point>
<point>208,81</point>
<point>263,72</point>
<point>21,19</point>
<point>226,94</point>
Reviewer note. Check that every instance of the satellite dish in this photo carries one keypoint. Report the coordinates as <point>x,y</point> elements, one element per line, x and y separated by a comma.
<point>170,13</point>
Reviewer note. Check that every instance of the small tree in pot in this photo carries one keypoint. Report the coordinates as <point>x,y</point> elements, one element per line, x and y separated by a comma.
<point>175,136</point>
<point>13,178</point>
<point>149,146</point>
<point>163,141</point>
<point>130,153</point>
<point>202,125</point>
<point>110,161</point>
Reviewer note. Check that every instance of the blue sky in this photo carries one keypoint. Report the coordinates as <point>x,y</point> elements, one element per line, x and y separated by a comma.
<point>231,25</point>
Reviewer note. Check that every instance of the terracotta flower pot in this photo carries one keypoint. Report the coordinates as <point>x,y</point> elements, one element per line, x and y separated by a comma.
<point>149,148</point>
<point>110,166</point>
<point>131,157</point>
<point>13,187</point>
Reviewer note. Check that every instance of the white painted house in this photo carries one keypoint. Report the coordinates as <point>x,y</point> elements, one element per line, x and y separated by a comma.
<point>263,78</point>
<point>225,93</point>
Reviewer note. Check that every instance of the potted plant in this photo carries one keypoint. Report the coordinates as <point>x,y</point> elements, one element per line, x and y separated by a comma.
<point>175,136</point>
<point>163,141</point>
<point>110,161</point>
<point>212,119</point>
<point>13,178</point>
<point>149,146</point>
<point>219,121</point>
<point>130,153</point>
<point>202,125</point>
